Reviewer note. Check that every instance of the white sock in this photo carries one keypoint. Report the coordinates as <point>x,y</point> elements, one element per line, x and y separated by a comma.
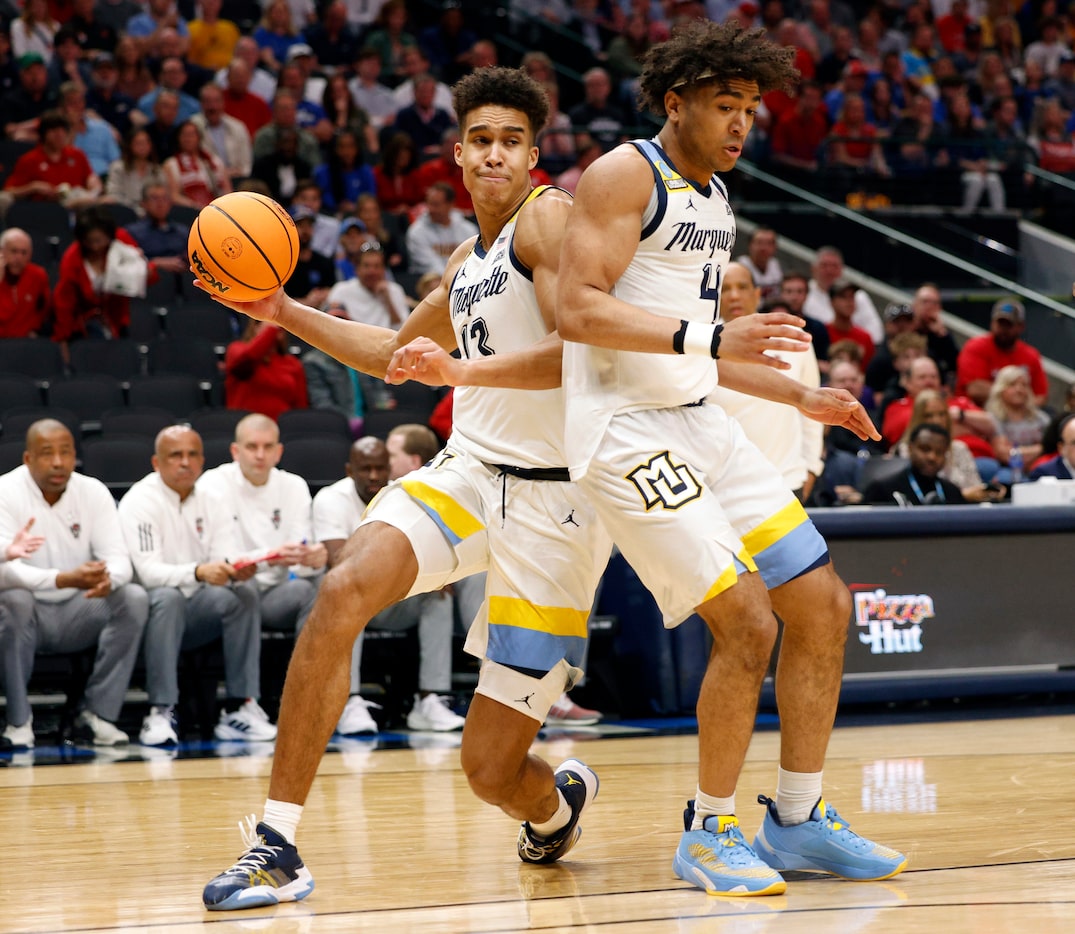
<point>558,820</point>
<point>708,805</point>
<point>283,817</point>
<point>796,795</point>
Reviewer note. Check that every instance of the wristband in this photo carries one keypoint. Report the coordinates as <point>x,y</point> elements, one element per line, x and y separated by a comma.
<point>695,337</point>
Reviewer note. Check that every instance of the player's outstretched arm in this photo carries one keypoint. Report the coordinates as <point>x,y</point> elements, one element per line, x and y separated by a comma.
<point>826,405</point>
<point>362,347</point>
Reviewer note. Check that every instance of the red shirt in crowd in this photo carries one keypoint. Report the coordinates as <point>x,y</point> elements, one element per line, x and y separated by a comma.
<point>71,167</point>
<point>248,109</point>
<point>800,137</point>
<point>981,358</point>
<point>439,170</point>
<point>77,300</point>
<point>259,378</point>
<point>898,417</point>
<point>858,335</point>
<point>25,302</point>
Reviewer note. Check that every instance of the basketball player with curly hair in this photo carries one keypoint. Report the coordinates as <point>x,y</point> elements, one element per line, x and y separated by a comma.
<point>704,519</point>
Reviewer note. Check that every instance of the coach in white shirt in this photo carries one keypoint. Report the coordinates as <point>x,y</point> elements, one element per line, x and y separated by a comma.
<point>180,540</point>
<point>272,508</point>
<point>338,511</point>
<point>71,593</point>
<point>790,440</point>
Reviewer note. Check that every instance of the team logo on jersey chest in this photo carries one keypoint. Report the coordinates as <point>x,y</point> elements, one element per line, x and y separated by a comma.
<point>687,236</point>
<point>465,298</point>
<point>662,482</point>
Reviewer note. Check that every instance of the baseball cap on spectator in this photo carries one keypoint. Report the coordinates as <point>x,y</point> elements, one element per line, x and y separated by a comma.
<point>352,223</point>
<point>104,58</point>
<point>31,58</point>
<point>896,310</point>
<point>1008,308</point>
<point>855,69</point>
<point>749,7</point>
<point>298,50</point>
<point>300,212</point>
<point>840,286</point>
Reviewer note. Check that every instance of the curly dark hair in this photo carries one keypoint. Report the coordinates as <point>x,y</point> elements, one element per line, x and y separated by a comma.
<point>502,87</point>
<point>705,51</point>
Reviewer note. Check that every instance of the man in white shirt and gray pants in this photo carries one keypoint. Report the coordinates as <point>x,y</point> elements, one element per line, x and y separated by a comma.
<point>272,509</point>
<point>73,592</point>
<point>182,541</point>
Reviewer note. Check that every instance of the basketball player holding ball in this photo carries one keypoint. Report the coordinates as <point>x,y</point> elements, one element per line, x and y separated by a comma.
<point>497,494</point>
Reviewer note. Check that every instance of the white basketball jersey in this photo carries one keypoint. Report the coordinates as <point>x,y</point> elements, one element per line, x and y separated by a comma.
<point>494,310</point>
<point>686,241</point>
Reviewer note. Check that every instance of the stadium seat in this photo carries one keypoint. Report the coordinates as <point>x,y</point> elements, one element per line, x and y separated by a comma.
<point>11,452</point>
<point>204,319</point>
<point>122,359</point>
<point>17,389</point>
<point>318,459</point>
<point>217,449</point>
<point>216,421</point>
<point>15,420</point>
<point>178,394</point>
<point>299,423</point>
<point>135,420</point>
<point>377,423</point>
<point>194,356</point>
<point>87,396</point>
<point>31,356</point>
<point>117,461</point>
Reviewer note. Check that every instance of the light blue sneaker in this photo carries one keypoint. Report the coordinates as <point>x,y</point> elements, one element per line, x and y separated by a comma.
<point>719,860</point>
<point>824,843</point>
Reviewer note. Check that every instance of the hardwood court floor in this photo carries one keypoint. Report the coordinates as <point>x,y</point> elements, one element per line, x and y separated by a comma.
<point>397,843</point>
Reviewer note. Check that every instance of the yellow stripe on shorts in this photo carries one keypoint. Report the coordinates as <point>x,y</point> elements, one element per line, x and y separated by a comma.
<point>775,527</point>
<point>730,576</point>
<point>555,620</point>
<point>454,517</point>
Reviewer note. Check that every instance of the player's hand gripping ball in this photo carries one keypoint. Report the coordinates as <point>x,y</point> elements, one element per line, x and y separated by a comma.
<point>243,246</point>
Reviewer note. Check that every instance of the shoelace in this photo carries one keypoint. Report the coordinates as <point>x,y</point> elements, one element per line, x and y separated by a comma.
<point>257,853</point>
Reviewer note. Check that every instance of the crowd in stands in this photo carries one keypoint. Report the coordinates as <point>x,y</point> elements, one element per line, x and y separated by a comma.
<point>127,118</point>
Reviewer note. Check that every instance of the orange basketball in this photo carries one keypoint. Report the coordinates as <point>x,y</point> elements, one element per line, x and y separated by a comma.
<point>243,246</point>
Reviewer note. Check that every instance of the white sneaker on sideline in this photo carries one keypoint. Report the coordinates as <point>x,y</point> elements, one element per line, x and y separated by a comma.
<point>20,737</point>
<point>249,722</point>
<point>102,732</point>
<point>356,717</point>
<point>159,727</point>
<point>433,713</point>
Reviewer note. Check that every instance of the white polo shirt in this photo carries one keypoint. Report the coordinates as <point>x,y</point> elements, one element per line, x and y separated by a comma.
<point>276,513</point>
<point>82,526</point>
<point>337,511</point>
<point>167,538</point>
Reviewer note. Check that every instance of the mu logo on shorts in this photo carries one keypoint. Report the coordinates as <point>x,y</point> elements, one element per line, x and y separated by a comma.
<point>664,483</point>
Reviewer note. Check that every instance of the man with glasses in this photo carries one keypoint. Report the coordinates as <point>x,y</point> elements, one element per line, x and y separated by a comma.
<point>369,297</point>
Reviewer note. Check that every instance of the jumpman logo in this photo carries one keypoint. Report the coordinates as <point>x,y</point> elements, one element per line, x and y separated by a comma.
<point>525,700</point>
<point>690,204</point>
<point>571,780</point>
<point>570,520</point>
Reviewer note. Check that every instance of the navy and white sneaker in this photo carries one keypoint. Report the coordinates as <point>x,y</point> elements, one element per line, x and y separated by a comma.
<point>269,872</point>
<point>249,722</point>
<point>578,783</point>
